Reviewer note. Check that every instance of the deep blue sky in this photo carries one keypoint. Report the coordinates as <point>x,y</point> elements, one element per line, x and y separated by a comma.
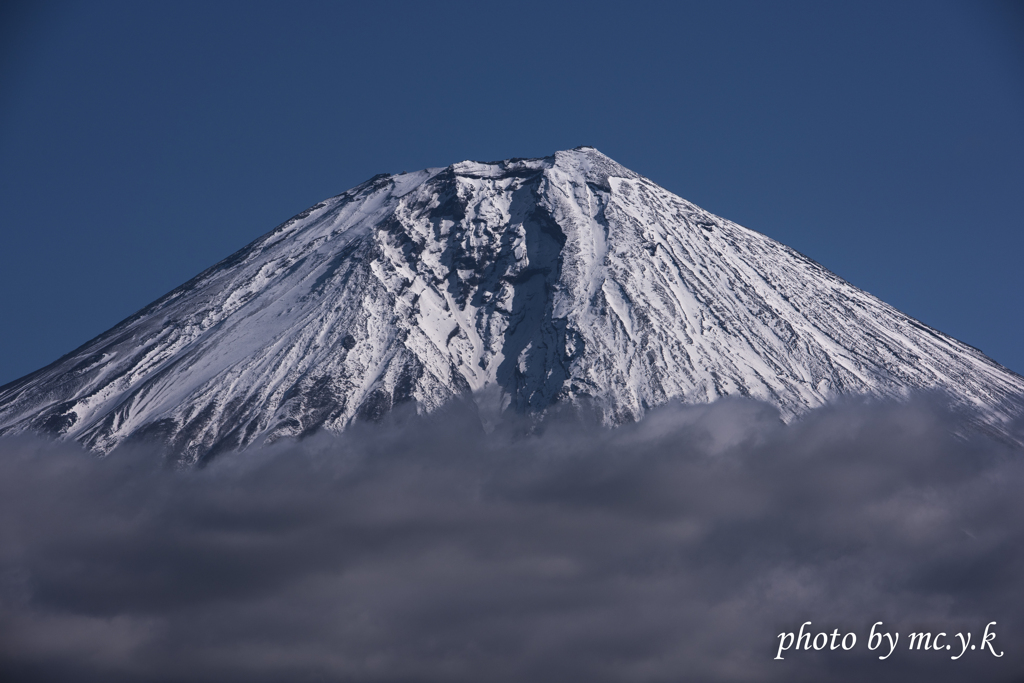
<point>142,142</point>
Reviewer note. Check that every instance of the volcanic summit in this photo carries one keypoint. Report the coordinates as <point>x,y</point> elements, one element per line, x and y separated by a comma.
<point>519,285</point>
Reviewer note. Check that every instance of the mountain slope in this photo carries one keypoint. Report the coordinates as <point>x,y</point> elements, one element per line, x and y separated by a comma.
<point>563,280</point>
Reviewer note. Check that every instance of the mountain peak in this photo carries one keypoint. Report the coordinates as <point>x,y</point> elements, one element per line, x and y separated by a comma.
<point>588,161</point>
<point>564,280</point>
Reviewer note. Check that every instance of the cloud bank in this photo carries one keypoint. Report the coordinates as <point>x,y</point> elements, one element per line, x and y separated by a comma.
<point>676,549</point>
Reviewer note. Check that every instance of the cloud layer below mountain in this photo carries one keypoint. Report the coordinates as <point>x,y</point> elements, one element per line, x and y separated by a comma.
<point>675,549</point>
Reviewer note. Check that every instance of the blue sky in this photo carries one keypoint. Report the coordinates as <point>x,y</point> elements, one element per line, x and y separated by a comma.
<point>142,142</point>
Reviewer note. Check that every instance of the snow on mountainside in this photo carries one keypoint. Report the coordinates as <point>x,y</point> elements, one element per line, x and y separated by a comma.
<point>567,279</point>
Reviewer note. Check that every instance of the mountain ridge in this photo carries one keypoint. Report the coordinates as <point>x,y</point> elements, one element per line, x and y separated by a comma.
<point>568,279</point>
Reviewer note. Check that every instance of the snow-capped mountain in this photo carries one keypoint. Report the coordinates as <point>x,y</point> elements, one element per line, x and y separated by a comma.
<point>523,284</point>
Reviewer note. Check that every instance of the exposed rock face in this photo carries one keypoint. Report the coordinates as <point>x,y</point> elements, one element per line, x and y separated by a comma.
<point>563,280</point>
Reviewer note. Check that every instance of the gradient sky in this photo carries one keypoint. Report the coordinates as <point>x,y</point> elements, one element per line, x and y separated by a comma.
<point>142,142</point>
